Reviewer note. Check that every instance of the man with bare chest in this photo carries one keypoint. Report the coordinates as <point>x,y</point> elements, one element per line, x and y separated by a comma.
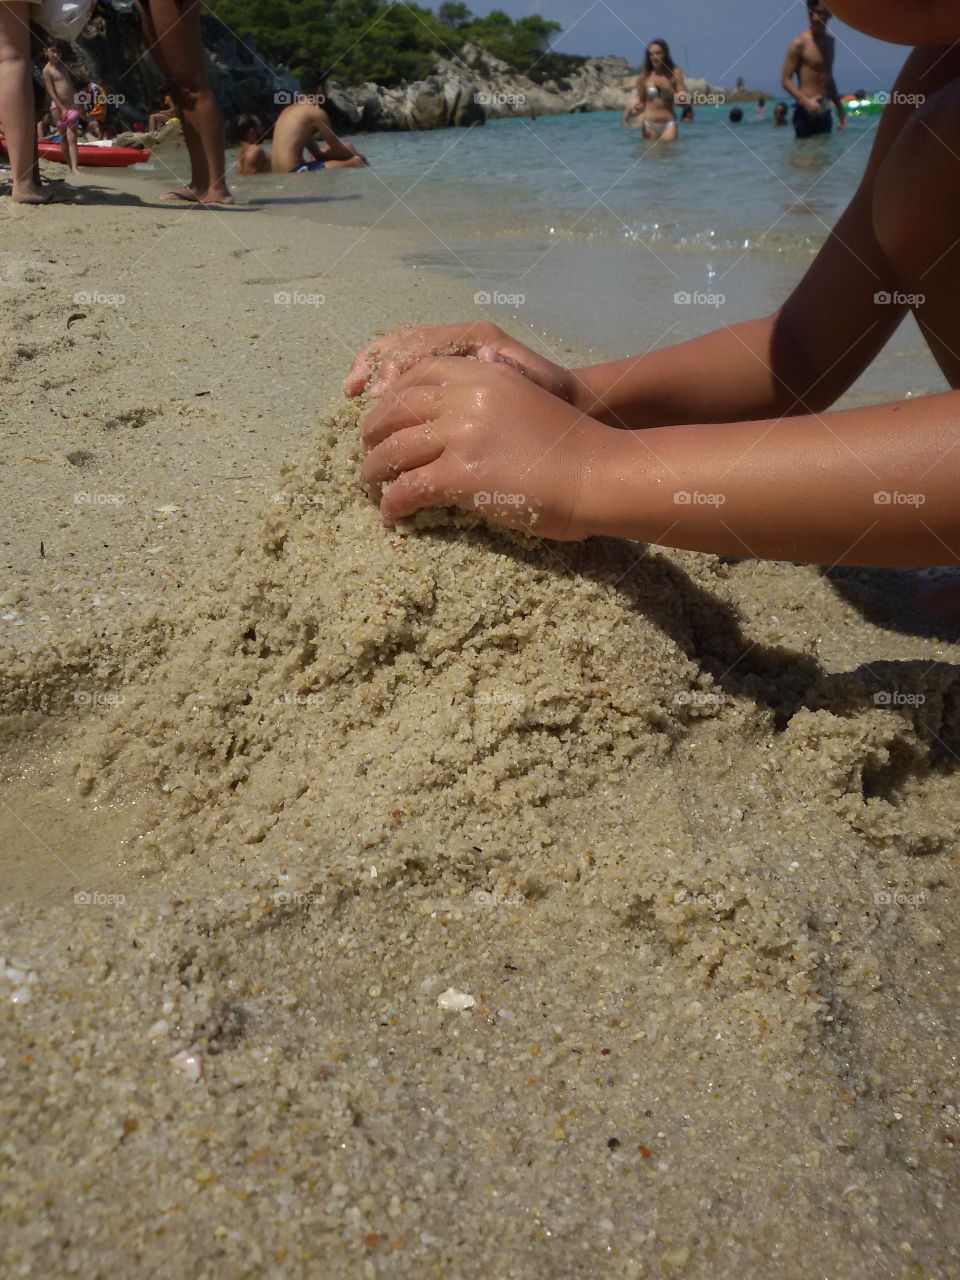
<point>809,62</point>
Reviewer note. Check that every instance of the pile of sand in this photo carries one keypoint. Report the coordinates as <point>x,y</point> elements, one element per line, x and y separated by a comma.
<point>378,763</point>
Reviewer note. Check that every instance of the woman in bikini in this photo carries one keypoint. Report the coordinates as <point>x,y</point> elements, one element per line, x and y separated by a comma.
<point>659,86</point>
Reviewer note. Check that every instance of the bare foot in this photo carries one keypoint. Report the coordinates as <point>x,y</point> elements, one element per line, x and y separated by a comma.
<point>217,195</point>
<point>180,195</point>
<point>31,195</point>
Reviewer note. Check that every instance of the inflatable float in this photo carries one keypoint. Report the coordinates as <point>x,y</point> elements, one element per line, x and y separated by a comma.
<point>871,105</point>
<point>102,155</point>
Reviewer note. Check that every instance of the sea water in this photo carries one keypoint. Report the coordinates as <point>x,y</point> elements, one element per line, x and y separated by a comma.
<point>583,231</point>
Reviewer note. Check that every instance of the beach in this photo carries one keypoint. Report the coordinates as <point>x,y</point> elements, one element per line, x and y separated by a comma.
<point>431,901</point>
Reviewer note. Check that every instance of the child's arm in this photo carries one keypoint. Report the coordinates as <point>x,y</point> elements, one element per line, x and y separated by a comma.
<point>874,486</point>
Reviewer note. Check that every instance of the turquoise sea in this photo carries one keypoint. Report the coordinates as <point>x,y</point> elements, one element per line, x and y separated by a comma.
<point>584,231</point>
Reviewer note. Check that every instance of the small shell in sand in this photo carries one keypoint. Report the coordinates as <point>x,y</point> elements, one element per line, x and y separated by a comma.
<point>191,1064</point>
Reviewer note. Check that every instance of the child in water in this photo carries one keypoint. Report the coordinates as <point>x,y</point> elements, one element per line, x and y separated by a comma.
<point>723,444</point>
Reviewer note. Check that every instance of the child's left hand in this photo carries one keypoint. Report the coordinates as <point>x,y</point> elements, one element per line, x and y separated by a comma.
<point>482,437</point>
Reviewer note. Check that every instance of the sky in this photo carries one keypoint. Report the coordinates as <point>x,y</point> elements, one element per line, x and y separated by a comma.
<point>717,39</point>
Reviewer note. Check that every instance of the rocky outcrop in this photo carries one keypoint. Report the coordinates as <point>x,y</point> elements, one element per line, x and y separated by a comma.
<point>476,87</point>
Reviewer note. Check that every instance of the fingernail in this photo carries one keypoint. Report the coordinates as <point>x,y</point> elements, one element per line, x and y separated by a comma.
<point>377,389</point>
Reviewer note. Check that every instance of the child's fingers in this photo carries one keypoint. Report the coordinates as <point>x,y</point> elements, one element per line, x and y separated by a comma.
<point>394,354</point>
<point>438,371</point>
<point>404,451</point>
<point>360,371</point>
<point>415,490</point>
<point>405,408</point>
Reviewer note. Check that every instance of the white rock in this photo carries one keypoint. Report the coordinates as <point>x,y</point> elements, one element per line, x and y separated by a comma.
<point>454,1001</point>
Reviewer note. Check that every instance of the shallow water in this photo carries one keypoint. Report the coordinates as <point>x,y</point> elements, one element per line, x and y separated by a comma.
<point>584,231</point>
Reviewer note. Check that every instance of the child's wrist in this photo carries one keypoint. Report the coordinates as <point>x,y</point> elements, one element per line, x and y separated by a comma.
<point>612,482</point>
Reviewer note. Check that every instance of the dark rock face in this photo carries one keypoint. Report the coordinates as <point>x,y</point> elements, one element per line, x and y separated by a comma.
<point>461,92</point>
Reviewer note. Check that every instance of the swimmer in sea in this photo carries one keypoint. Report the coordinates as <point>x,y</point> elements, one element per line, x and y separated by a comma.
<point>659,86</point>
<point>809,60</point>
<point>726,443</point>
<point>295,148</point>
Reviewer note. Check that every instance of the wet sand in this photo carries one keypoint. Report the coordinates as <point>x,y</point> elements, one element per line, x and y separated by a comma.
<point>431,902</point>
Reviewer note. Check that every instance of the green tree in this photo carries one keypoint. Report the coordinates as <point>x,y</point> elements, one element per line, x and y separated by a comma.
<point>387,41</point>
<point>453,13</point>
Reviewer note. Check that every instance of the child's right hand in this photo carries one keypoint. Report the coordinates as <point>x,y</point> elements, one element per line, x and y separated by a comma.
<point>387,358</point>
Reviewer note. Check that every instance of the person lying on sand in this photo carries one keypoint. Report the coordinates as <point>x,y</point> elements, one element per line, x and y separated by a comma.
<point>295,149</point>
<point>723,444</point>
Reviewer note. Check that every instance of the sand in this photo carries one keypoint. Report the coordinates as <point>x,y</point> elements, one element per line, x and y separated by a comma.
<point>432,901</point>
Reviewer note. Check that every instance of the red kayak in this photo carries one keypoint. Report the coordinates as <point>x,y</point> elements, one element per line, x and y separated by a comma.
<point>104,157</point>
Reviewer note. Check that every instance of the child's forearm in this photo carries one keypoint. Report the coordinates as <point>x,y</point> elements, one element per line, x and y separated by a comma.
<point>874,486</point>
<point>724,376</point>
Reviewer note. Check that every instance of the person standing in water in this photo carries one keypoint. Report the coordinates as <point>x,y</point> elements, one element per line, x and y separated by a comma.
<point>659,87</point>
<point>809,60</point>
<point>172,32</point>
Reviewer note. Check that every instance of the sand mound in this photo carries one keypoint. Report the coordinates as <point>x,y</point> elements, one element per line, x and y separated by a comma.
<point>339,703</point>
<point>379,763</point>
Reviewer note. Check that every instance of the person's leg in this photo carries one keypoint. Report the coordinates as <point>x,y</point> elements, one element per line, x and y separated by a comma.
<point>16,102</point>
<point>68,143</point>
<point>176,24</point>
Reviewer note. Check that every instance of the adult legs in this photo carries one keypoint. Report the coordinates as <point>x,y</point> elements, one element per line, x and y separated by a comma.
<point>16,102</point>
<point>172,29</point>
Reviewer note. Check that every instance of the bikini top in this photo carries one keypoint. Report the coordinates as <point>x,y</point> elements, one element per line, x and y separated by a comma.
<point>654,91</point>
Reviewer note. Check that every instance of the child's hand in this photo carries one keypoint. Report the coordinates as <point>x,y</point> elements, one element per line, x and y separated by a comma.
<point>486,439</point>
<point>390,356</point>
